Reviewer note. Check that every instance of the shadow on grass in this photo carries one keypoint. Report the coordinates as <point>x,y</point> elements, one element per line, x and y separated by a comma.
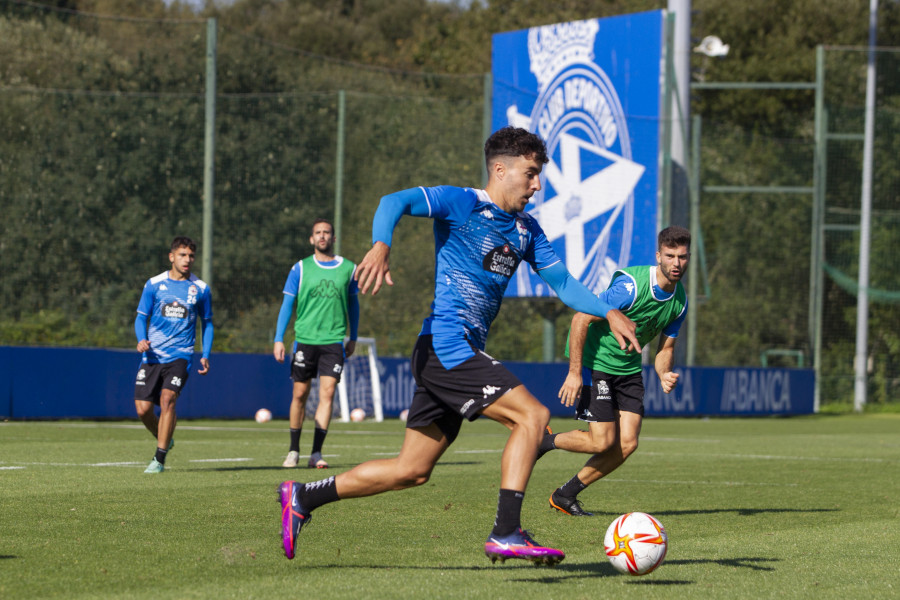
<point>569,572</point>
<point>2,556</point>
<point>572,571</point>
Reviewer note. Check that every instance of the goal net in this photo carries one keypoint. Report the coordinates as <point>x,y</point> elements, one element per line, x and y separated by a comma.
<point>360,385</point>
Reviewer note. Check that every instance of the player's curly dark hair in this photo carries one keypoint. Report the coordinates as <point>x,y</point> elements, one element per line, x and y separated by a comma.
<point>515,141</point>
<point>317,221</point>
<point>673,237</point>
<point>183,242</point>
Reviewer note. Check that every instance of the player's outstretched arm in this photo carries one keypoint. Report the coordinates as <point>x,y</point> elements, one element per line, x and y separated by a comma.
<point>574,294</point>
<point>623,329</point>
<point>374,269</point>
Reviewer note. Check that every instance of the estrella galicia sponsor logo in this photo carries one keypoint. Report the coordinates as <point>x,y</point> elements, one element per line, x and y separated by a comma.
<point>501,261</point>
<point>586,207</point>
<point>175,310</point>
<point>466,406</point>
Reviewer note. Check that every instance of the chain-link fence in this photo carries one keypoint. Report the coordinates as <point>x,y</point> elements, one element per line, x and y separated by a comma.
<point>844,121</point>
<point>101,164</point>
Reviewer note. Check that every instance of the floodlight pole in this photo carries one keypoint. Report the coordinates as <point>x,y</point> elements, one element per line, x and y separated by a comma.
<point>865,225</point>
<point>209,152</point>
<point>339,171</point>
<point>681,60</point>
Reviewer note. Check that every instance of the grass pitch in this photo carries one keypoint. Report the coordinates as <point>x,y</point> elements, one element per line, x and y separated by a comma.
<point>805,507</point>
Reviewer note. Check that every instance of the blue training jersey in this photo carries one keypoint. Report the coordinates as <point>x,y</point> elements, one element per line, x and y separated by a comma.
<point>478,248</point>
<point>173,307</point>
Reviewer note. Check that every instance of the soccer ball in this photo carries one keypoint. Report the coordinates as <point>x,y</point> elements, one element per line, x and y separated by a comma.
<point>403,414</point>
<point>357,415</point>
<point>636,543</point>
<point>263,415</point>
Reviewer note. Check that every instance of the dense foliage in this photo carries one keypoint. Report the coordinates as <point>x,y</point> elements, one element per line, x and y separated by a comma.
<point>101,159</point>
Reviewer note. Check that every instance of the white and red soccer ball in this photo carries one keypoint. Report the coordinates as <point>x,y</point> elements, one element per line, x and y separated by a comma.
<point>636,543</point>
<point>357,415</point>
<point>263,415</point>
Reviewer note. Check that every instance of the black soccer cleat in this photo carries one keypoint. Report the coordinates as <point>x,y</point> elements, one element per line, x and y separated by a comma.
<point>569,506</point>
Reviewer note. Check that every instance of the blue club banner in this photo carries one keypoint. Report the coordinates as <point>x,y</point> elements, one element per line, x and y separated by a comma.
<point>238,384</point>
<point>592,90</point>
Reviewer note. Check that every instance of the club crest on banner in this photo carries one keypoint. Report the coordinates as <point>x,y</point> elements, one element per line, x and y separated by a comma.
<point>586,206</point>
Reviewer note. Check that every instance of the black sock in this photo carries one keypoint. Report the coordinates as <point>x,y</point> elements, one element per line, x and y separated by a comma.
<point>161,455</point>
<point>509,512</point>
<point>316,493</point>
<point>548,443</point>
<point>318,440</point>
<point>295,440</point>
<point>571,488</point>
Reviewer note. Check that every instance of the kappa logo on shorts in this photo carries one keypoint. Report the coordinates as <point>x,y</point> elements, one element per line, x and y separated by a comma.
<point>489,390</point>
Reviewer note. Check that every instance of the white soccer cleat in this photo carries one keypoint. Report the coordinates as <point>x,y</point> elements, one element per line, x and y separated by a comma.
<point>292,460</point>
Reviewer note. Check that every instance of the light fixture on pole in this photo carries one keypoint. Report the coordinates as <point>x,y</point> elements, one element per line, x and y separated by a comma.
<point>712,46</point>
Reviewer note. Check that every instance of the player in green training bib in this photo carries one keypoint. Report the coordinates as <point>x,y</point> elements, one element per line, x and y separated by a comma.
<point>605,380</point>
<point>326,295</point>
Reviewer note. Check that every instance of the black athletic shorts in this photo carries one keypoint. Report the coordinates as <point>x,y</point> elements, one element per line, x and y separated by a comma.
<point>312,360</point>
<point>445,396</point>
<point>152,378</point>
<point>608,394</point>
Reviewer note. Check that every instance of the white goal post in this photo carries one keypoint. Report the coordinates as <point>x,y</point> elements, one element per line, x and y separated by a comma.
<point>360,385</point>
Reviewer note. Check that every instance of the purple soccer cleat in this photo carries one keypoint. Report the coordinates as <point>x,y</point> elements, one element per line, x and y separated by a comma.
<point>293,517</point>
<point>520,545</point>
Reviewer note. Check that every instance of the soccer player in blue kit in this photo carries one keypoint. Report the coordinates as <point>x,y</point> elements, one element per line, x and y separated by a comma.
<point>166,327</point>
<point>481,236</point>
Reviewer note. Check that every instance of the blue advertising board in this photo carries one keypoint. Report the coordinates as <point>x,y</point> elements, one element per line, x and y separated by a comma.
<point>96,383</point>
<point>591,89</point>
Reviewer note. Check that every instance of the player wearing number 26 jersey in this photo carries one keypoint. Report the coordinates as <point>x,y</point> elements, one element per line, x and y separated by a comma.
<point>166,326</point>
<point>174,307</point>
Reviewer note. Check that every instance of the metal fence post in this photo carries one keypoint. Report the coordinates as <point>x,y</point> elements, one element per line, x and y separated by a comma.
<point>209,151</point>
